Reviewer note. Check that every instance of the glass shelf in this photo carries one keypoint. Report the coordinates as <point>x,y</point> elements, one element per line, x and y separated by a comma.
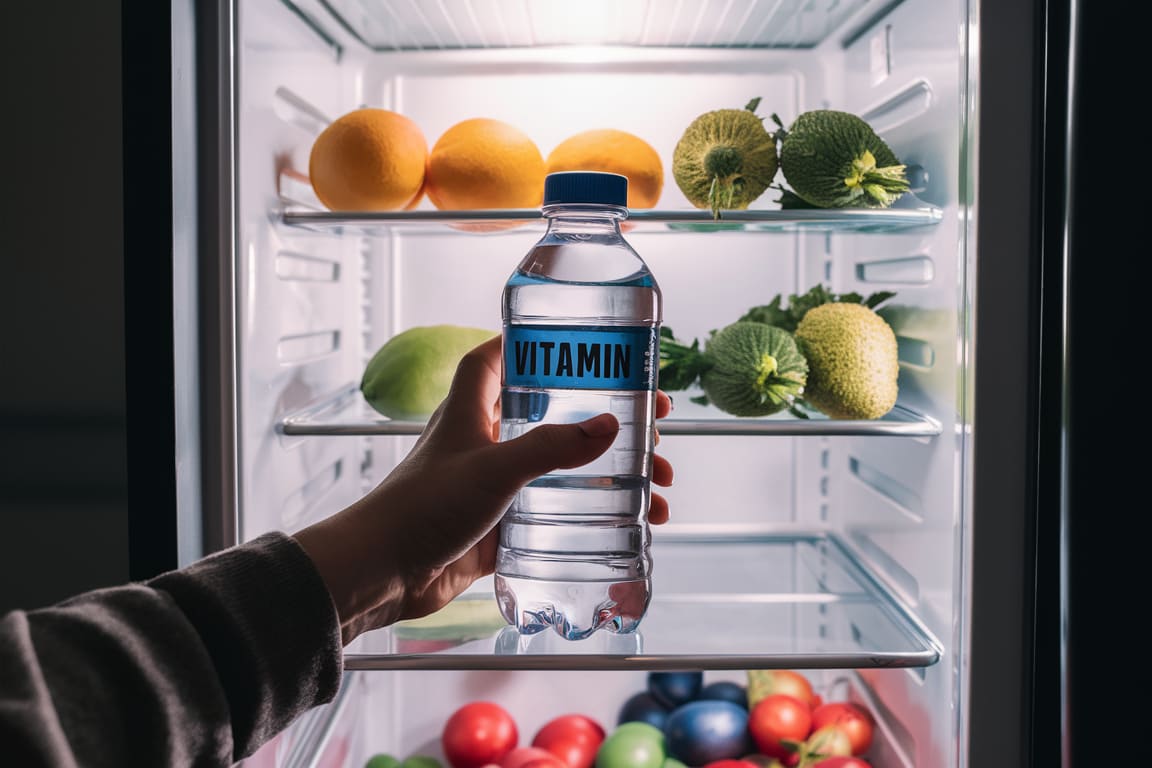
<point>346,413</point>
<point>734,600</point>
<point>301,209</point>
<point>507,221</point>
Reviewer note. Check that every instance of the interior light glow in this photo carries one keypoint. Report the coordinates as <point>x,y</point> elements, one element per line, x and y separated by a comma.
<point>563,22</point>
<point>581,54</point>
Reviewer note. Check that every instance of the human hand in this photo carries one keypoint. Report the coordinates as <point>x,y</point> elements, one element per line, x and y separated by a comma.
<point>429,530</point>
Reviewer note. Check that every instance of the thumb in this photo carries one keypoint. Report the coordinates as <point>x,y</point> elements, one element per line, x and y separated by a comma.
<point>556,446</point>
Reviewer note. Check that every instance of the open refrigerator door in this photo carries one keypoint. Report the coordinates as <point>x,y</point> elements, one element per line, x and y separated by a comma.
<point>834,546</point>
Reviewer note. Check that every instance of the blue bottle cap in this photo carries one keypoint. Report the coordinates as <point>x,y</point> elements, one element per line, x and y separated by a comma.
<point>589,187</point>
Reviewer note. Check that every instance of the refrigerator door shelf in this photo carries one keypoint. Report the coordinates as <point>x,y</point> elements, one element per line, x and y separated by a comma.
<point>721,600</point>
<point>346,413</point>
<point>495,221</point>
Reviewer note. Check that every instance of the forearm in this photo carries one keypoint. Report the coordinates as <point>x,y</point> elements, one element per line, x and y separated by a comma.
<point>357,568</point>
<point>199,666</point>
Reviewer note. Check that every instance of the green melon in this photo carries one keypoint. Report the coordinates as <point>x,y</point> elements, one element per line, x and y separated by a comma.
<point>757,369</point>
<point>834,159</point>
<point>410,375</point>
<point>853,361</point>
<point>725,159</point>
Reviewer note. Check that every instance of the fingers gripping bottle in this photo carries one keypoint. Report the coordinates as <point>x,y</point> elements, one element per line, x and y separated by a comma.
<point>582,318</point>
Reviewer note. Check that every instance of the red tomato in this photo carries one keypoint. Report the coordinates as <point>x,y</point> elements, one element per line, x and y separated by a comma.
<point>853,721</point>
<point>792,683</point>
<point>531,757</point>
<point>478,733</point>
<point>572,738</point>
<point>779,724</point>
<point>842,761</point>
<point>731,763</point>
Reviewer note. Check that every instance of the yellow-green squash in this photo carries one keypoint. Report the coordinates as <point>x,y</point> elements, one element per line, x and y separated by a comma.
<point>411,373</point>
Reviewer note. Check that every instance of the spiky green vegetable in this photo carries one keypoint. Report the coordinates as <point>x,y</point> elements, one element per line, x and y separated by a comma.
<point>725,159</point>
<point>834,159</point>
<point>745,368</point>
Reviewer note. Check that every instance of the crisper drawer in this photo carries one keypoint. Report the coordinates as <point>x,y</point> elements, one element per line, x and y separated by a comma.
<point>726,600</point>
<point>403,713</point>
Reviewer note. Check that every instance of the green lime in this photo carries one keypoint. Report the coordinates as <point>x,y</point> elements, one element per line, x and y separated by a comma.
<point>410,374</point>
<point>420,761</point>
<point>382,761</point>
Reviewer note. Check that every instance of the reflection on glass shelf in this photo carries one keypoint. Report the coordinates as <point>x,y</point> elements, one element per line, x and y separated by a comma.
<point>510,221</point>
<point>509,642</point>
<point>751,601</point>
<point>346,413</point>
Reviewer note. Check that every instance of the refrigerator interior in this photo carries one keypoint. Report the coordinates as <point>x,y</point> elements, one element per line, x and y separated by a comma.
<point>834,547</point>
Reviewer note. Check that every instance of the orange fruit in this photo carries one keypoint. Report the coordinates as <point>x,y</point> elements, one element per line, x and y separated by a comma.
<point>414,203</point>
<point>368,160</point>
<point>485,163</point>
<point>613,151</point>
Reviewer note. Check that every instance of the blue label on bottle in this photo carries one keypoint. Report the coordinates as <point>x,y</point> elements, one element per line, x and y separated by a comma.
<point>605,357</point>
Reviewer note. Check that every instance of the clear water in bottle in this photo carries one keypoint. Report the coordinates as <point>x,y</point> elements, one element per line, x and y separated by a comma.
<point>582,317</point>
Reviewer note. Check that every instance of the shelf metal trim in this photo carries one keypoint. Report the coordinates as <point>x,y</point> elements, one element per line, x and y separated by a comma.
<point>606,663</point>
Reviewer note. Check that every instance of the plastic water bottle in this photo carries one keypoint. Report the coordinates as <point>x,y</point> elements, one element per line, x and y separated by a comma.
<point>582,318</point>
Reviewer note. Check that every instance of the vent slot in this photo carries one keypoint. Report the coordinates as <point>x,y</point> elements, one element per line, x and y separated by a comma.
<point>911,270</point>
<point>297,266</point>
<point>298,507</point>
<point>916,352</point>
<point>295,110</point>
<point>306,347</point>
<point>901,495</point>
<point>910,103</point>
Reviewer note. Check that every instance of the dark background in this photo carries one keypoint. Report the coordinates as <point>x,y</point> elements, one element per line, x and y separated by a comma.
<point>63,476</point>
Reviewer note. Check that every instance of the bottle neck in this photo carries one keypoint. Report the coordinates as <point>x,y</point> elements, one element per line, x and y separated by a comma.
<point>589,219</point>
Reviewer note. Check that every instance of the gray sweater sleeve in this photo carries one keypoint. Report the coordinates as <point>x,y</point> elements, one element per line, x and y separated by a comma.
<point>197,667</point>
